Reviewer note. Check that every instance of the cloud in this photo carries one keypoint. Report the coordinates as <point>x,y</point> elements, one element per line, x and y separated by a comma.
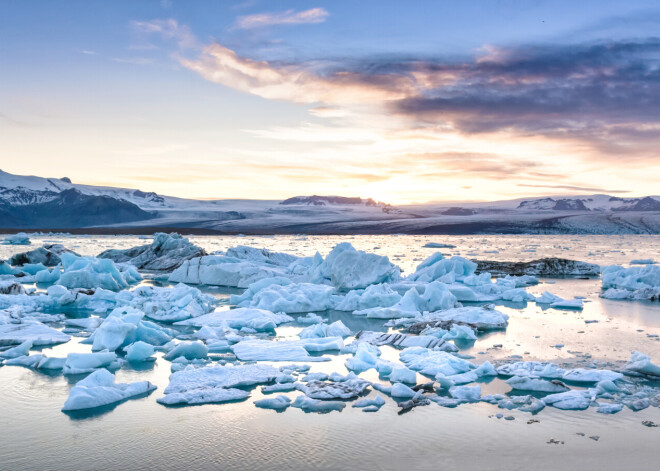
<point>167,29</point>
<point>576,188</point>
<point>289,17</point>
<point>297,83</point>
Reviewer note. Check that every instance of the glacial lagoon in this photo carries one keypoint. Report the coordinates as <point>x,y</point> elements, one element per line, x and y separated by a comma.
<point>140,433</point>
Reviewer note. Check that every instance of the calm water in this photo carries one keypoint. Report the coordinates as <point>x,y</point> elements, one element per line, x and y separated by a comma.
<point>141,434</point>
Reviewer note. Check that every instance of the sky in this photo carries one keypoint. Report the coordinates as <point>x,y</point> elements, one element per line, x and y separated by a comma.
<point>403,102</point>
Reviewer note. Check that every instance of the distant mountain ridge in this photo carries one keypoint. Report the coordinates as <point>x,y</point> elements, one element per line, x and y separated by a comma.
<point>30,202</point>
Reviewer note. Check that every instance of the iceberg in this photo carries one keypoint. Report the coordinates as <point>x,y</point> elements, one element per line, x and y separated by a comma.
<point>292,298</point>
<point>278,403</point>
<point>404,340</point>
<point>260,320</point>
<point>165,253</point>
<point>635,283</point>
<point>204,396</point>
<point>225,270</point>
<point>349,269</point>
<point>380,295</point>
<point>30,330</point>
<point>581,375</point>
<point>196,384</point>
<point>436,297</point>
<point>533,384</point>
<point>90,273</point>
<point>99,389</point>
<point>365,357</point>
<point>336,329</point>
<point>640,365</point>
<point>327,390</point>
<point>139,352</point>
<point>315,405</point>
<point>11,287</point>
<point>432,362</point>
<point>478,318</point>
<point>533,369</point>
<point>20,238</point>
<point>18,351</point>
<point>82,363</point>
<point>372,403</point>
<point>295,350</point>
<point>569,400</point>
<point>188,350</point>
<point>47,255</point>
<point>466,393</point>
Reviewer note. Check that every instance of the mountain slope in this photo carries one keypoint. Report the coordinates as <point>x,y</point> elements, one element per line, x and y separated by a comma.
<point>57,203</point>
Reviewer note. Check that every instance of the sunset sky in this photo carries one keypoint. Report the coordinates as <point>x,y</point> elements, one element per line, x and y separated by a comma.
<point>399,101</point>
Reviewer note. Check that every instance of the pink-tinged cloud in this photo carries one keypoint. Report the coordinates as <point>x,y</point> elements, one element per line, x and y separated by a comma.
<point>296,82</point>
<point>289,17</point>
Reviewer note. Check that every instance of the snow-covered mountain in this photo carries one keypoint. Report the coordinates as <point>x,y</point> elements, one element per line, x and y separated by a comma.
<point>29,202</point>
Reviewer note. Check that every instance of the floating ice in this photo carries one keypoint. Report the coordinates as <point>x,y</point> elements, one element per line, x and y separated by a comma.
<point>215,383</point>
<point>30,330</point>
<point>240,267</point>
<point>401,391</point>
<point>81,363</point>
<point>258,319</point>
<point>165,253</point>
<point>99,389</point>
<point>277,403</point>
<point>401,374</point>
<point>334,389</point>
<point>431,362</point>
<point>139,351</point>
<point>380,295</point>
<point>404,340</point>
<point>292,298</point>
<point>90,272</point>
<point>18,351</point>
<point>569,400</point>
<point>365,357</point>
<point>642,282</point>
<point>466,393</point>
<point>20,238</point>
<point>534,369</point>
<point>296,350</point>
<point>336,329</point>
<point>11,287</point>
<point>48,255</point>
<point>375,402</point>
<point>479,318</point>
<point>640,365</point>
<point>315,405</point>
<point>437,268</point>
<point>436,297</point>
<point>533,384</point>
<point>349,269</point>
<point>188,350</point>
<point>581,375</point>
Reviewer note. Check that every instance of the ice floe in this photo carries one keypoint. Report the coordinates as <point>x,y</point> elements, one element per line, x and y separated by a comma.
<point>99,389</point>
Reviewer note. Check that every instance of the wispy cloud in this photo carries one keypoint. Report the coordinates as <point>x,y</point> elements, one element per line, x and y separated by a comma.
<point>588,189</point>
<point>289,17</point>
<point>167,29</point>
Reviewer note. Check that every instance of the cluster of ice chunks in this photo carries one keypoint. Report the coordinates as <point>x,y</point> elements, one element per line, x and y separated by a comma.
<point>635,283</point>
<point>427,304</point>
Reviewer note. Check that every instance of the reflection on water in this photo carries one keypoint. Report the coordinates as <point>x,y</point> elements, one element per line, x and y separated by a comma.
<point>141,434</point>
